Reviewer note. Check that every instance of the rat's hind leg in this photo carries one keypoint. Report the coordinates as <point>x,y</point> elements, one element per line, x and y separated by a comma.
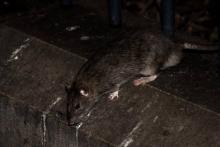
<point>143,80</point>
<point>147,74</point>
<point>173,60</point>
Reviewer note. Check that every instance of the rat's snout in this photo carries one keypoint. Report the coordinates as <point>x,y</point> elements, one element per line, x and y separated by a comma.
<point>78,106</point>
<point>73,111</point>
<point>73,108</point>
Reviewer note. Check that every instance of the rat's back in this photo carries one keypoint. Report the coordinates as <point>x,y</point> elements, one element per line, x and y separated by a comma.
<point>142,54</point>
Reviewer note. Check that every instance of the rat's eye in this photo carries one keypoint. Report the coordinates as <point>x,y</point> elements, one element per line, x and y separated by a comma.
<point>84,93</point>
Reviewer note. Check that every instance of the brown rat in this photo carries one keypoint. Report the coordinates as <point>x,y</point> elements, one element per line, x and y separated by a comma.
<point>140,58</point>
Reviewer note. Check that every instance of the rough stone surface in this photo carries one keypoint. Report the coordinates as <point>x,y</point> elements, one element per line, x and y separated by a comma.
<point>34,71</point>
<point>20,125</point>
<point>142,116</point>
<point>196,79</point>
<point>33,78</point>
<point>33,75</point>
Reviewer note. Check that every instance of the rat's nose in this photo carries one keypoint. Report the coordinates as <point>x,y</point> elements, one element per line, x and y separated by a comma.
<point>72,118</point>
<point>77,106</point>
<point>72,113</point>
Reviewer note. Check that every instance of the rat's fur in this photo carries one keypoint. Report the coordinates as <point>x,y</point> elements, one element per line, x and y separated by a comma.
<point>140,58</point>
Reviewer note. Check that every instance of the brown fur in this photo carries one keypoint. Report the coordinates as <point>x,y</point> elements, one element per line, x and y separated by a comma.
<point>142,55</point>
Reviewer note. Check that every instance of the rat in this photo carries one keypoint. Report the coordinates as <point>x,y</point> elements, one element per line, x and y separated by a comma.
<point>139,58</point>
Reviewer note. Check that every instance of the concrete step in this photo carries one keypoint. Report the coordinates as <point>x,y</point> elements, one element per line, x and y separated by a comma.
<point>33,75</point>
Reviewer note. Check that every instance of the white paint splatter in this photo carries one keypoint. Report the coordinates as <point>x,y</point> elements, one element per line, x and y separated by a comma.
<point>14,56</point>
<point>44,127</point>
<point>52,105</point>
<point>72,28</point>
<point>155,119</point>
<point>136,127</point>
<point>114,95</point>
<point>126,142</point>
<point>44,117</point>
<point>147,107</point>
<point>89,114</point>
<point>79,125</point>
<point>27,40</point>
<point>84,38</point>
<point>77,133</point>
<point>129,139</point>
<point>180,128</point>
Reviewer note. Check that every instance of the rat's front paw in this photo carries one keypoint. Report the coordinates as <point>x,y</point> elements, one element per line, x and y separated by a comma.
<point>113,95</point>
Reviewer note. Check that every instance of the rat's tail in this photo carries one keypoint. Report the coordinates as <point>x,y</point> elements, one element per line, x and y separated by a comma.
<point>191,46</point>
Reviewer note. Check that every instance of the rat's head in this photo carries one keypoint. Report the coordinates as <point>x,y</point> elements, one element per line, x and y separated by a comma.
<point>80,99</point>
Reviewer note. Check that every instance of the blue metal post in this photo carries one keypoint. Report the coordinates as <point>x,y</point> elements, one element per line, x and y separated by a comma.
<point>114,11</point>
<point>168,17</point>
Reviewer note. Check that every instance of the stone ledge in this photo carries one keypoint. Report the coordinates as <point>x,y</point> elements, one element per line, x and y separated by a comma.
<point>33,75</point>
<point>32,99</point>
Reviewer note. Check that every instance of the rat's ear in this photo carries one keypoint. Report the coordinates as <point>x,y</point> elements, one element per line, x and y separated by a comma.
<point>83,92</point>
